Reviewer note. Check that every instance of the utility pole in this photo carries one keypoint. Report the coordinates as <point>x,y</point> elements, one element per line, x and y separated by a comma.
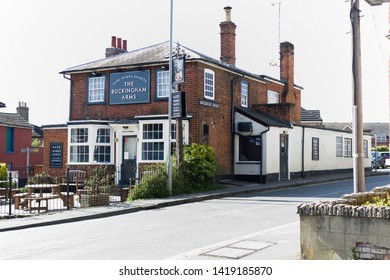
<point>169,162</point>
<point>358,154</point>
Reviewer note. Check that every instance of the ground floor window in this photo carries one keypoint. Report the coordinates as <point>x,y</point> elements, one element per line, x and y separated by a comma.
<point>249,149</point>
<point>154,141</point>
<point>347,147</point>
<point>90,144</point>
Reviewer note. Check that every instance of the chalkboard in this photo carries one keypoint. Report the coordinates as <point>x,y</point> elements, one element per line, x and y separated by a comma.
<point>55,155</point>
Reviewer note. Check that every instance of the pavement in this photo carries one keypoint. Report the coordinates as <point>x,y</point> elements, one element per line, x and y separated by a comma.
<point>231,188</point>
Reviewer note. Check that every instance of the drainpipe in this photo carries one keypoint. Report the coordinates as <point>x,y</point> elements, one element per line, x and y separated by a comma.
<point>233,87</point>
<point>70,95</point>
<point>303,153</point>
<point>262,155</point>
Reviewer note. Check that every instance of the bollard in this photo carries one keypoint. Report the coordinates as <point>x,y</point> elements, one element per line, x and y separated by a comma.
<point>10,194</point>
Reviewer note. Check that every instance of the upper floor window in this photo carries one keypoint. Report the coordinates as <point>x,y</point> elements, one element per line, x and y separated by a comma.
<point>272,97</point>
<point>244,94</point>
<point>209,84</point>
<point>162,87</point>
<point>9,137</point>
<point>96,88</point>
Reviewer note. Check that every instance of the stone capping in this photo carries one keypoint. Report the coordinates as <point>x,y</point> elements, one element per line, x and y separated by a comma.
<point>349,205</point>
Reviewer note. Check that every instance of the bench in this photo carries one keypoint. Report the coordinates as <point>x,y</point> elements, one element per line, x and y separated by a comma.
<point>76,181</point>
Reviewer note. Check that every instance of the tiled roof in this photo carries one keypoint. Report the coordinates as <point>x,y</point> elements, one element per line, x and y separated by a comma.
<point>370,127</point>
<point>13,120</point>
<point>263,118</point>
<point>311,116</point>
<point>155,54</point>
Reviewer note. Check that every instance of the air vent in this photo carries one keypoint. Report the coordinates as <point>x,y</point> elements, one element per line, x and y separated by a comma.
<point>244,126</point>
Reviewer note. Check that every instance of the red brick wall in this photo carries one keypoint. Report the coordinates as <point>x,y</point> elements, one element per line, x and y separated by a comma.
<point>55,135</point>
<point>18,159</point>
<point>218,119</point>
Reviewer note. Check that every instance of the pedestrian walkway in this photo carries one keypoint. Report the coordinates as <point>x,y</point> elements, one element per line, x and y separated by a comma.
<point>232,188</point>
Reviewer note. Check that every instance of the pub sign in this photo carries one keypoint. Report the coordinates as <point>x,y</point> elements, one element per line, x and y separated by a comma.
<point>130,87</point>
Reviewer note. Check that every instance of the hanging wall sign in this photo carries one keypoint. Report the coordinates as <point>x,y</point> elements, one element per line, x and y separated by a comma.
<point>130,87</point>
<point>178,70</point>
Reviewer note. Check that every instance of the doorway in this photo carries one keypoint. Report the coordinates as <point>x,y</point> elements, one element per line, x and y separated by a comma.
<point>129,159</point>
<point>283,156</point>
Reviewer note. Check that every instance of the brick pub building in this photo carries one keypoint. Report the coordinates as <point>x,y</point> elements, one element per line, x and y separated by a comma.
<point>118,113</point>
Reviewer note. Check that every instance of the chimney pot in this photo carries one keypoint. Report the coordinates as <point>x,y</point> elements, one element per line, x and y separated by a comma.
<point>124,45</point>
<point>113,41</point>
<point>228,11</point>
<point>119,43</point>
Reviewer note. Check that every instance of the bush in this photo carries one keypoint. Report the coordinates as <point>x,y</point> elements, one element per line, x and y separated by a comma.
<point>3,171</point>
<point>200,169</point>
<point>380,149</point>
<point>152,185</point>
<point>42,178</point>
<point>200,165</point>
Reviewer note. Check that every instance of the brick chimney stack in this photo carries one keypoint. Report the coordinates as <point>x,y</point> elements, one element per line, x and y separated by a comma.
<point>228,39</point>
<point>287,63</point>
<point>291,95</point>
<point>117,46</point>
<point>23,111</point>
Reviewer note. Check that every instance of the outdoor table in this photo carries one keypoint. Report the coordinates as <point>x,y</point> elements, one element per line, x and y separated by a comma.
<point>39,197</point>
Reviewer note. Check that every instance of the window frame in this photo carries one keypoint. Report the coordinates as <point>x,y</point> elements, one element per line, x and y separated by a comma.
<point>244,94</point>
<point>86,151</point>
<point>164,140</point>
<point>98,91</point>
<point>273,97</point>
<point>315,148</point>
<point>348,147</point>
<point>10,140</point>
<point>339,146</point>
<point>209,84</point>
<point>256,141</point>
<point>158,84</point>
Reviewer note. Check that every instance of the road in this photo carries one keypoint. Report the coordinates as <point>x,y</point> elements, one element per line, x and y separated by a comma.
<point>251,227</point>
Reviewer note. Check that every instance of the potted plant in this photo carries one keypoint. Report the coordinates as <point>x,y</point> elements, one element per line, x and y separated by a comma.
<point>98,186</point>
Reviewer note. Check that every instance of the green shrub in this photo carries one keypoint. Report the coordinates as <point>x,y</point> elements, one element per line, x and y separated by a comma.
<point>200,169</point>
<point>380,149</point>
<point>3,171</point>
<point>100,180</point>
<point>200,165</point>
<point>152,185</point>
<point>42,178</point>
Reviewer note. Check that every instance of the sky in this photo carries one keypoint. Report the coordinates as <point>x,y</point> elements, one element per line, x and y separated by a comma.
<point>41,38</point>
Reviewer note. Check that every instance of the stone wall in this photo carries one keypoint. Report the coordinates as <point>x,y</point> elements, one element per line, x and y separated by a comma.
<point>344,229</point>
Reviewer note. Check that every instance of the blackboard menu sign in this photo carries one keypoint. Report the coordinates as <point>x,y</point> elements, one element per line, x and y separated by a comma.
<point>55,155</point>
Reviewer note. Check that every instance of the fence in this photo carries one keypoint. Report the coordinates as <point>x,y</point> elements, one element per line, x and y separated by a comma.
<point>46,193</point>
